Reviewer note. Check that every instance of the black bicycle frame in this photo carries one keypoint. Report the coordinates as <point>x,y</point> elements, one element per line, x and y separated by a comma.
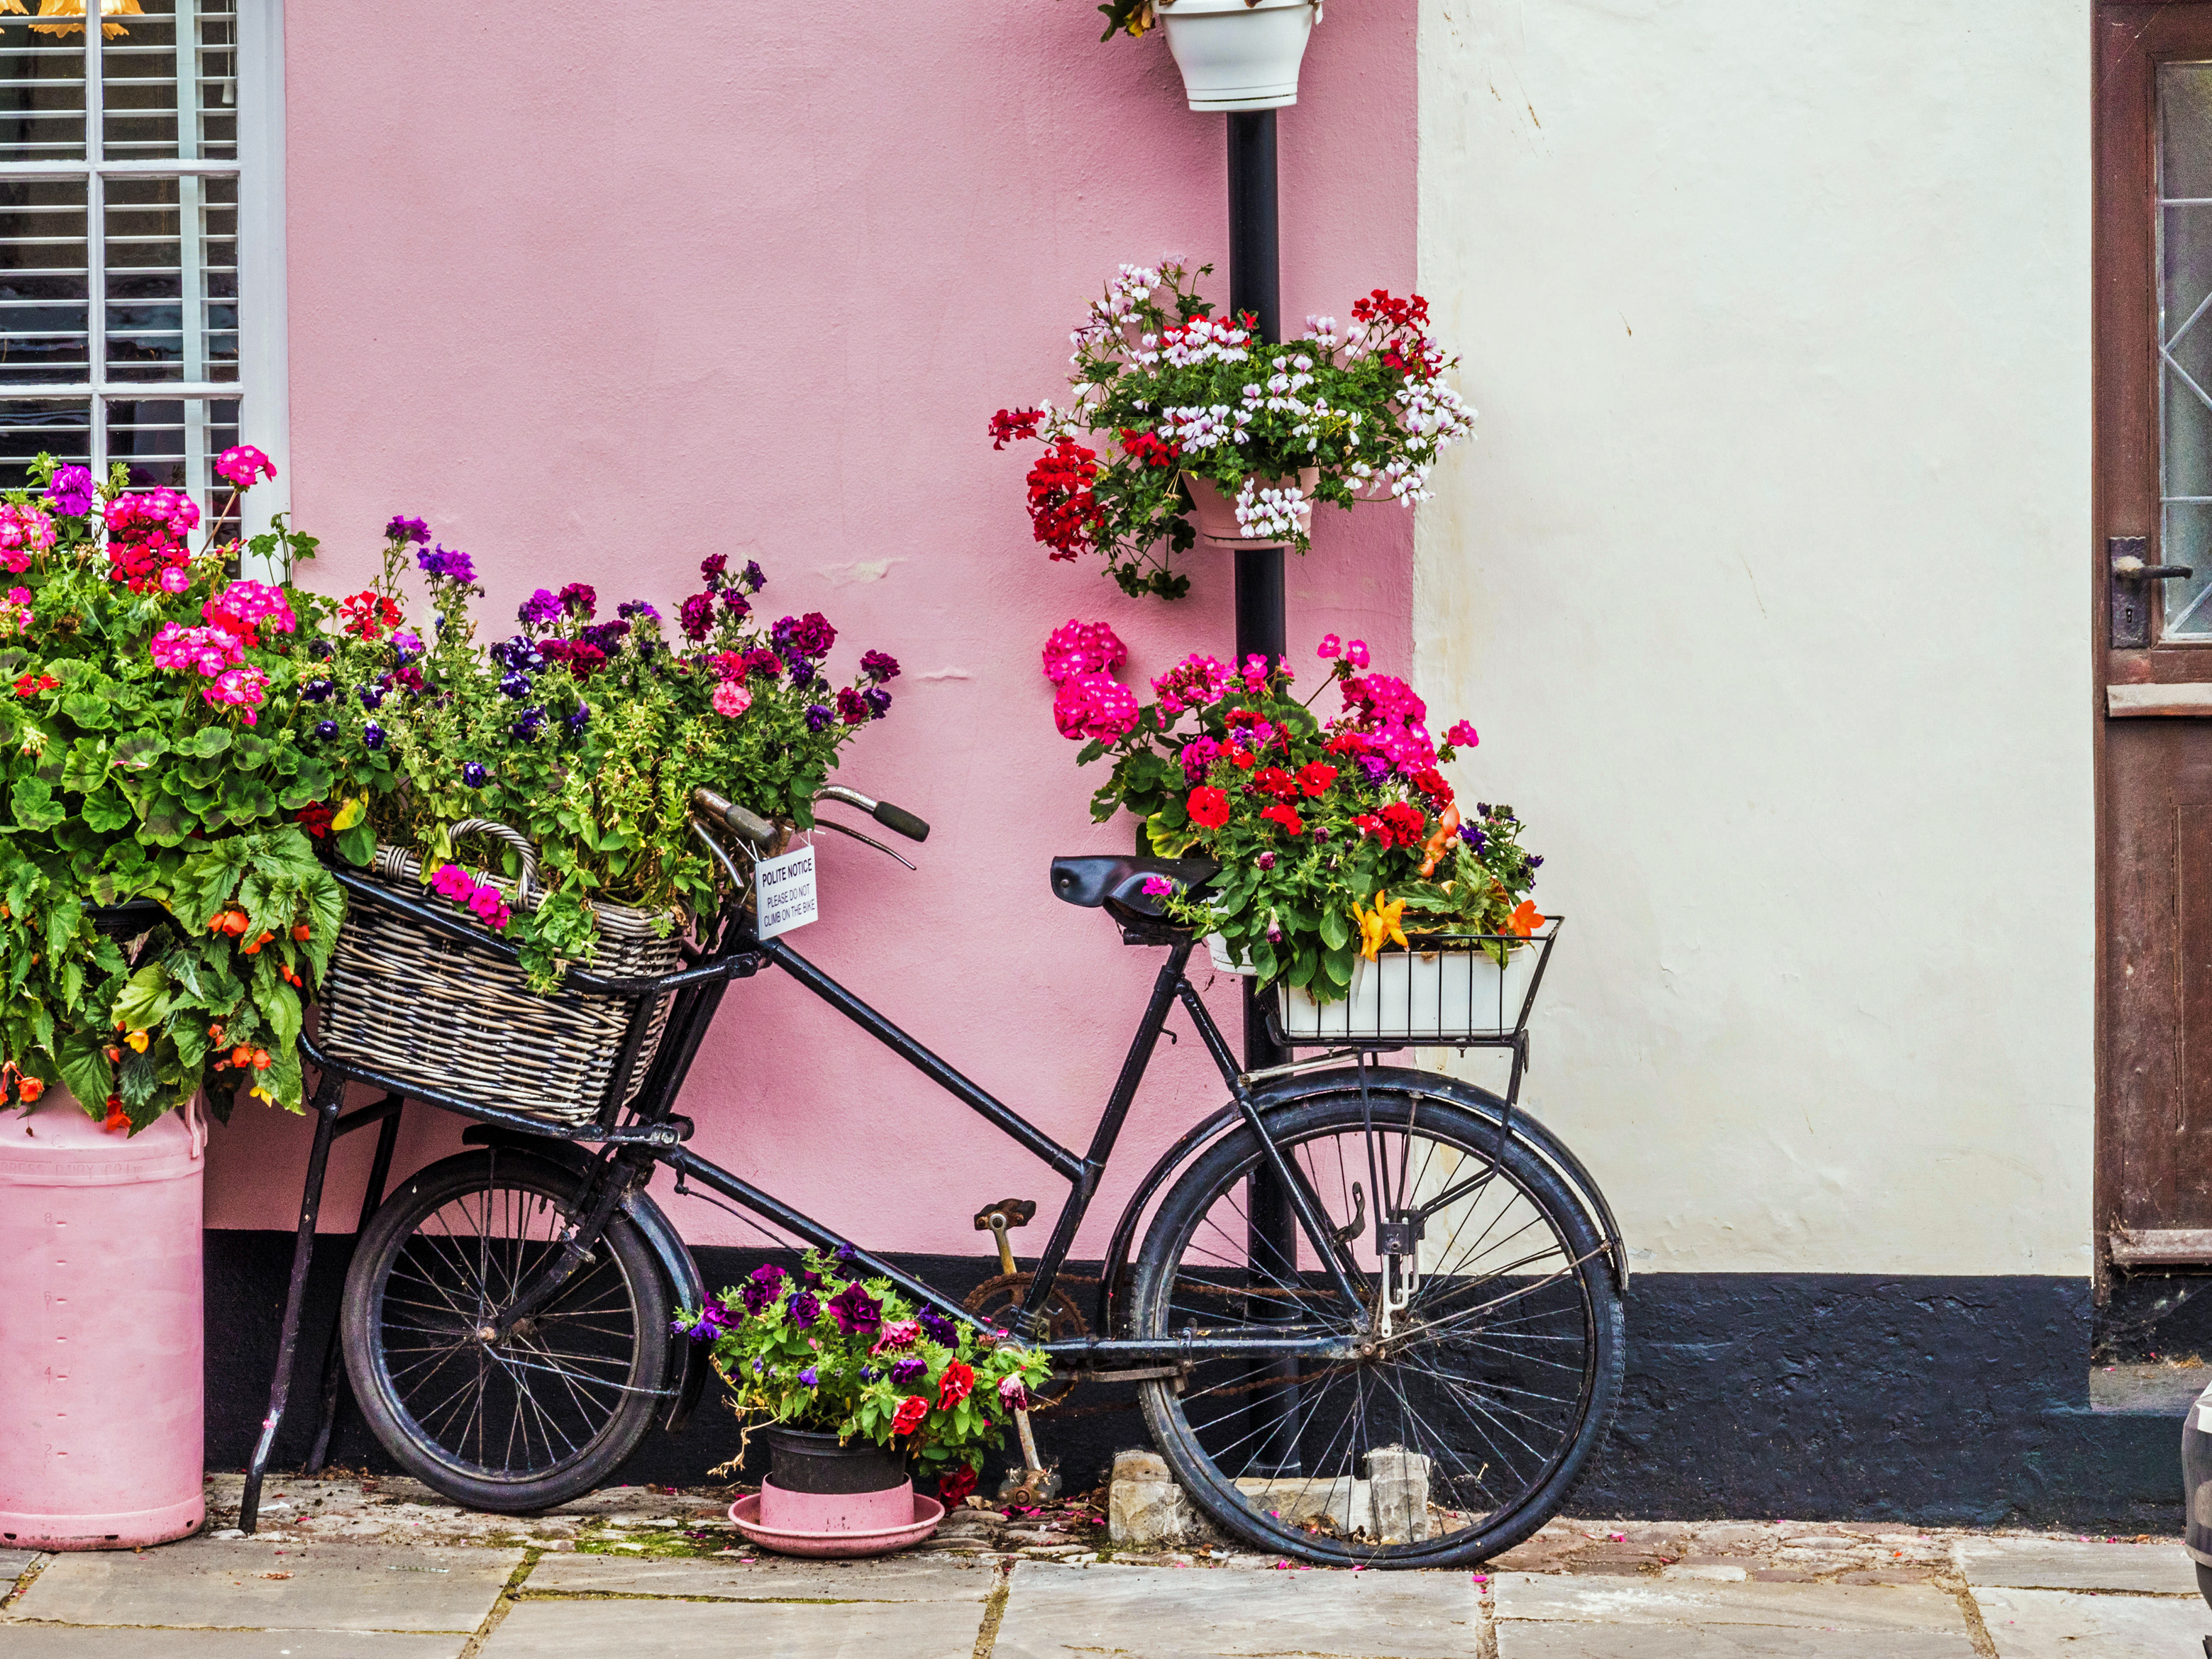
<point>1081,1171</point>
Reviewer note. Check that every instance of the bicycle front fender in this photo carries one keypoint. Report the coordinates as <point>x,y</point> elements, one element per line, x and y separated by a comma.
<point>690,1365</point>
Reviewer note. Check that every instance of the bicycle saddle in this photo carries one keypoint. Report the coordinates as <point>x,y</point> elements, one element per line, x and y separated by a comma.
<point>1120,881</point>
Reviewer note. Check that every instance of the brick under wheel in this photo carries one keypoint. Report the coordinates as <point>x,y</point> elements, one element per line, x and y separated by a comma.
<point>1468,1425</point>
<point>545,1414</point>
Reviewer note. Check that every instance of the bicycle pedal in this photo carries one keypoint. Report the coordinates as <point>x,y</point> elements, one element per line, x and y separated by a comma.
<point>1018,1211</point>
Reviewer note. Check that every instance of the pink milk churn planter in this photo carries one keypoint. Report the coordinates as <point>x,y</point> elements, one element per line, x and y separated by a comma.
<point>100,1332</point>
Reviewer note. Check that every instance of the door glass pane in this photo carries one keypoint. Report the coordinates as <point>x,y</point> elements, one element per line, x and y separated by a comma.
<point>2184,325</point>
<point>170,81</point>
<point>41,92</point>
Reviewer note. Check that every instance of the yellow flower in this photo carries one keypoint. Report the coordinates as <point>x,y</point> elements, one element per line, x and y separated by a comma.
<point>137,1040</point>
<point>1380,926</point>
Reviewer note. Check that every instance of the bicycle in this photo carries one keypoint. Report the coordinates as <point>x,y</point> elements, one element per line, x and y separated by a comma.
<point>1374,1317</point>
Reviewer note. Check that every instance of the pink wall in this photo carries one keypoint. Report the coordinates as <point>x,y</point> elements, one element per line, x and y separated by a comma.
<point>599,294</point>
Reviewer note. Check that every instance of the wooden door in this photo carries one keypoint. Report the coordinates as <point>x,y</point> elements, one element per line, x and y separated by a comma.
<point>2154,628</point>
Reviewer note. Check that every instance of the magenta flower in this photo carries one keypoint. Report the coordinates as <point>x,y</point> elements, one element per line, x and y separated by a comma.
<point>697,614</point>
<point>1094,706</point>
<point>1012,1394</point>
<point>1356,653</point>
<point>1462,736</point>
<point>1078,647</point>
<point>857,1313</point>
<point>897,1333</point>
<point>242,463</point>
<point>1330,647</point>
<point>71,491</point>
<point>731,699</point>
<point>402,529</point>
<point>539,609</point>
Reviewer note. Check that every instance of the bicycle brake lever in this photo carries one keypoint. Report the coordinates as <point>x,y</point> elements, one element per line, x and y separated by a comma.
<point>831,823</point>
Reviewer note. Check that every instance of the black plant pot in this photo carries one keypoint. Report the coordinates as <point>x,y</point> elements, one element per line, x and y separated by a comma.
<point>800,1461</point>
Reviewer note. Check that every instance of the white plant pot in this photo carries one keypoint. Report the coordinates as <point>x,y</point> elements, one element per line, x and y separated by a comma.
<point>1218,948</point>
<point>1238,56</point>
<point>1420,995</point>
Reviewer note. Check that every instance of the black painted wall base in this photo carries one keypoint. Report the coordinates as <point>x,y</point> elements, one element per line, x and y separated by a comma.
<point>1810,1397</point>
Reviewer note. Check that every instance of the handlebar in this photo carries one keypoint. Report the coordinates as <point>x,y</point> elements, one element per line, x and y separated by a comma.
<point>897,819</point>
<point>734,817</point>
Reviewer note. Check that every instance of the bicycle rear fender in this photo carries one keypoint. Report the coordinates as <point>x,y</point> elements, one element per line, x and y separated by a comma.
<point>668,1247</point>
<point>1289,1091</point>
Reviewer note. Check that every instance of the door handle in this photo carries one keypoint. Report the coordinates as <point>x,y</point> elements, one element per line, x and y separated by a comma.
<point>2130,599</point>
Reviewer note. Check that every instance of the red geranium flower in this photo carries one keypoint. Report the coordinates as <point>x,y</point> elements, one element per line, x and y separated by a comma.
<point>911,1412</point>
<point>1286,816</point>
<point>1209,807</point>
<point>369,615</point>
<point>1273,781</point>
<point>1432,785</point>
<point>953,1385</point>
<point>1243,757</point>
<point>1315,777</point>
<point>1405,824</point>
<point>314,818</point>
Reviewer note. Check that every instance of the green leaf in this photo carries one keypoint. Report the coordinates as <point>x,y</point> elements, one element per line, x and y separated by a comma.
<point>108,811</point>
<point>1335,929</point>
<point>35,805</point>
<point>85,1070</point>
<point>209,741</point>
<point>86,768</point>
<point>90,710</point>
<point>145,1000</point>
<point>357,846</point>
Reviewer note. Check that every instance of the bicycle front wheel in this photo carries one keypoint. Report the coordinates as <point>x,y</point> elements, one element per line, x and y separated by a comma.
<point>542,1416</point>
<point>1493,1340</point>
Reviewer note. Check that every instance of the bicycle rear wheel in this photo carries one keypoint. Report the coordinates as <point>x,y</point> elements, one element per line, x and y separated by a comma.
<point>1461,1429</point>
<point>542,1416</point>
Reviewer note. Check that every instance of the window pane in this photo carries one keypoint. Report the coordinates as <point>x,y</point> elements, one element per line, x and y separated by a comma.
<point>41,92</point>
<point>172,279</point>
<point>60,427</point>
<point>2184,295</point>
<point>140,72</point>
<point>173,442</point>
<point>42,281</point>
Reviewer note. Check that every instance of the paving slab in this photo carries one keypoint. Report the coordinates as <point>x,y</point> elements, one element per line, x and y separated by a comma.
<point>209,1583</point>
<point>12,1564</point>
<point>556,1629</point>
<point>1167,1612</point>
<point>1542,1616</point>
<point>62,1642</point>
<point>897,1579</point>
<point>2045,1623</point>
<point>2161,1569</point>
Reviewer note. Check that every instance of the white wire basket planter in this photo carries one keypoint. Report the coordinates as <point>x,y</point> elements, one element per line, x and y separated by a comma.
<point>1441,988</point>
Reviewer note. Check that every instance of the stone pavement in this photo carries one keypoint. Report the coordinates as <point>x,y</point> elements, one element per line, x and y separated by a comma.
<point>384,1569</point>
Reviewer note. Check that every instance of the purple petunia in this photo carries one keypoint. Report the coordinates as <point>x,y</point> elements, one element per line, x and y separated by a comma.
<point>904,1371</point>
<point>857,1313</point>
<point>809,1378</point>
<point>817,716</point>
<point>473,775</point>
<point>443,564</point>
<point>712,567</point>
<point>805,1308</point>
<point>878,701</point>
<point>580,600</point>
<point>71,491</point>
<point>810,635</point>
<point>938,1327</point>
<point>879,665</point>
<point>539,609</point>
<point>762,1288</point>
<point>755,580</point>
<point>632,608</point>
<point>697,614</point>
<point>402,529</point>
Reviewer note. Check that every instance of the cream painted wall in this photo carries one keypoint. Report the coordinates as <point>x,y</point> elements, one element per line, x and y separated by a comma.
<point>1767,586</point>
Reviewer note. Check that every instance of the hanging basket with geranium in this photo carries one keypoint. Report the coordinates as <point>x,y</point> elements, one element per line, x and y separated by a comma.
<point>1336,831</point>
<point>1182,423</point>
<point>822,1351</point>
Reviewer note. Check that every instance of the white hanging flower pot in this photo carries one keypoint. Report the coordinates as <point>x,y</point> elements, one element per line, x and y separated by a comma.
<point>1238,54</point>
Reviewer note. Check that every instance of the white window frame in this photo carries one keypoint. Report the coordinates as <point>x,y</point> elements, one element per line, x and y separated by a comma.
<point>261,389</point>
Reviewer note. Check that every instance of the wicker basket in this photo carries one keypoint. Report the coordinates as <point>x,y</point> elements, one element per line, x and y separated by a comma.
<point>456,1017</point>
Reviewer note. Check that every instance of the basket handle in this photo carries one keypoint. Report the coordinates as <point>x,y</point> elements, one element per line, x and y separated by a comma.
<point>526,887</point>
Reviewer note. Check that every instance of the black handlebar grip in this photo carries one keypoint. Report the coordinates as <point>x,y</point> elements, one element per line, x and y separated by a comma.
<point>898,819</point>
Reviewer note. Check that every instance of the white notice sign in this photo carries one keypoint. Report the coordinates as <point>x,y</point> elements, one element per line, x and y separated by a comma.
<point>785,887</point>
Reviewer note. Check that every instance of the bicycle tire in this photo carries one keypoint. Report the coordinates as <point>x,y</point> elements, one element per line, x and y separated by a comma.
<point>1560,1293</point>
<point>599,1350</point>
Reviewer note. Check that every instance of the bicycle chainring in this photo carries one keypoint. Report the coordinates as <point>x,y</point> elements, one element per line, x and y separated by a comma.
<point>997,1301</point>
